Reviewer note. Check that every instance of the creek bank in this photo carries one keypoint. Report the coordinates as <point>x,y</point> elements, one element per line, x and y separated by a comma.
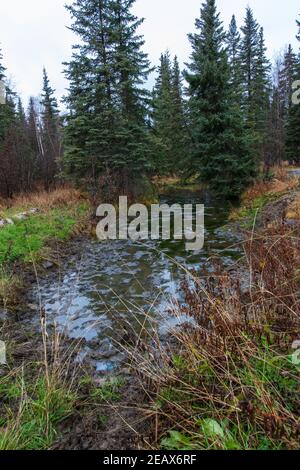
<point>105,427</point>
<point>228,381</point>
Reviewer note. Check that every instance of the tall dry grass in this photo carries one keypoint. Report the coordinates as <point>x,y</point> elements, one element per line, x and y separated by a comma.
<point>227,378</point>
<point>37,395</point>
<point>45,200</point>
<point>281,182</point>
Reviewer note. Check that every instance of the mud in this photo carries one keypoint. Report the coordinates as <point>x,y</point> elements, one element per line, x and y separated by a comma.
<point>97,295</point>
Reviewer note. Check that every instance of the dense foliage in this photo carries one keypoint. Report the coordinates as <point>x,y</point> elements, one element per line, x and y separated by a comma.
<point>222,120</point>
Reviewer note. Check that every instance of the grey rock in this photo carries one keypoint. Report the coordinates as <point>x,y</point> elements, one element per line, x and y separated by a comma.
<point>107,350</point>
<point>48,265</point>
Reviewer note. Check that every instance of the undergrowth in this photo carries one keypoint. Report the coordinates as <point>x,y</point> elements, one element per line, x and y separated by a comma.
<point>228,379</point>
<point>31,412</point>
<point>262,193</point>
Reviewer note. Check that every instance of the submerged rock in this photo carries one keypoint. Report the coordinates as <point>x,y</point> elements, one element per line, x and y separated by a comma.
<point>107,350</point>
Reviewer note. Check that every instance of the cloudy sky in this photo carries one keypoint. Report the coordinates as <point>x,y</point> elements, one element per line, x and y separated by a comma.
<point>33,33</point>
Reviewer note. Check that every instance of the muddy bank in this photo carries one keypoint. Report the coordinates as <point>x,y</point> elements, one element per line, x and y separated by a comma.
<point>83,292</point>
<point>99,296</point>
<point>284,209</point>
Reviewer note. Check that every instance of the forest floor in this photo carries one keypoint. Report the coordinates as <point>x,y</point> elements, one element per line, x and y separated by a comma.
<point>178,396</point>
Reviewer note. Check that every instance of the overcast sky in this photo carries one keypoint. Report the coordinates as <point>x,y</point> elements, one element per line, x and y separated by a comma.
<point>33,33</point>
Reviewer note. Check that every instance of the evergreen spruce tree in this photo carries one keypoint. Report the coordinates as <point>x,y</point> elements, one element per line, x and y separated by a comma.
<point>50,128</point>
<point>274,149</point>
<point>255,70</point>
<point>162,115</point>
<point>248,60</point>
<point>107,103</point>
<point>286,79</point>
<point>2,68</point>
<point>293,124</point>
<point>233,41</point>
<point>25,161</point>
<point>90,132</point>
<point>34,138</point>
<point>131,68</point>
<point>262,86</point>
<point>222,156</point>
<point>170,131</point>
<point>21,113</point>
<point>180,152</point>
<point>7,110</point>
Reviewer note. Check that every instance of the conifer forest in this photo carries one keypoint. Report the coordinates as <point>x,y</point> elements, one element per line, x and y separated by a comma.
<point>150,231</point>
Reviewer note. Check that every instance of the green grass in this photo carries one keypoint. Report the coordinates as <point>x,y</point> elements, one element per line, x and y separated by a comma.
<point>109,391</point>
<point>272,378</point>
<point>247,213</point>
<point>31,413</point>
<point>10,287</point>
<point>25,240</point>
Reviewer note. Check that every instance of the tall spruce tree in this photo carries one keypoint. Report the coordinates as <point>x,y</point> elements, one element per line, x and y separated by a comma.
<point>262,85</point>
<point>233,41</point>
<point>286,78</point>
<point>255,69</point>
<point>50,127</point>
<point>222,155</point>
<point>131,68</point>
<point>2,68</point>
<point>34,137</point>
<point>169,120</point>
<point>170,131</point>
<point>274,145</point>
<point>7,110</point>
<point>24,156</point>
<point>181,140</point>
<point>107,103</point>
<point>162,116</point>
<point>248,58</point>
<point>90,132</point>
<point>293,124</point>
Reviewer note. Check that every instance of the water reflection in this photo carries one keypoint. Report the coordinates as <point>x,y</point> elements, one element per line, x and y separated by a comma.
<point>114,283</point>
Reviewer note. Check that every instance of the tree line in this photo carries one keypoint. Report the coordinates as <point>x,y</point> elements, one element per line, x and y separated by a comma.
<point>225,119</point>
<point>30,141</point>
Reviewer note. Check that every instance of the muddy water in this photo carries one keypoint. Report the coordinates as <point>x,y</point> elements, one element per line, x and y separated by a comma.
<point>113,285</point>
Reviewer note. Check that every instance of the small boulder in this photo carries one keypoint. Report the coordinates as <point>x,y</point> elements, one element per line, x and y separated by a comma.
<point>48,265</point>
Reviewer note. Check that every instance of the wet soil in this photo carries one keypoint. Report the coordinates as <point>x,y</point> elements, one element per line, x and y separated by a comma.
<point>97,294</point>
